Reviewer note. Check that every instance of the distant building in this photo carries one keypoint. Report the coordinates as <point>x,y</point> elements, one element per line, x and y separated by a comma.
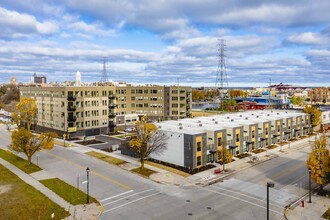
<point>319,94</point>
<point>13,81</point>
<point>38,79</point>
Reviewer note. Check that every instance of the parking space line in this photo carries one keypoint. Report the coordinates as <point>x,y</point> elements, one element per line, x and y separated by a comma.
<point>112,197</point>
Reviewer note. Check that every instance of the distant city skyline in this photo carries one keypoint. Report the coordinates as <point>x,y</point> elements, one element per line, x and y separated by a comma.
<point>158,42</point>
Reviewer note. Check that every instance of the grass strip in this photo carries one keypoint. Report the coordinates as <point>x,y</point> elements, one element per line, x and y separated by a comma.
<point>69,193</point>
<point>19,162</point>
<point>170,169</point>
<point>106,158</point>
<point>21,201</point>
<point>326,215</point>
<point>144,172</point>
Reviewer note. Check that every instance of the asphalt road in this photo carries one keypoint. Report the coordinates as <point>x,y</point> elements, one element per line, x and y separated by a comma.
<point>128,196</point>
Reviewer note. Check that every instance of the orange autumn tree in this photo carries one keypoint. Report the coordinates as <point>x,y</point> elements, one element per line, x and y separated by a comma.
<point>319,162</point>
<point>148,140</point>
<point>23,141</point>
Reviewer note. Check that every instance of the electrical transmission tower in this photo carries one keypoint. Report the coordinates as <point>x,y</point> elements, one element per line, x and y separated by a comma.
<point>104,77</point>
<point>221,80</point>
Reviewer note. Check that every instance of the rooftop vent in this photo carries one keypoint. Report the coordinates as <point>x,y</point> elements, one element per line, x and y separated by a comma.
<point>213,119</point>
<point>159,126</point>
<point>180,124</point>
<point>257,116</point>
<point>200,125</point>
<point>278,113</point>
<point>240,115</point>
<point>180,127</point>
<point>268,114</point>
<point>232,120</point>
<point>246,118</point>
<point>216,122</point>
<point>228,117</point>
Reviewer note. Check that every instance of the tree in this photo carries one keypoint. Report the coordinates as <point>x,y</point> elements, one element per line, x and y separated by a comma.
<point>237,93</point>
<point>26,142</point>
<point>148,140</point>
<point>22,139</point>
<point>228,105</point>
<point>296,100</point>
<point>198,95</point>
<point>319,162</point>
<point>314,113</point>
<point>25,113</point>
<point>224,156</point>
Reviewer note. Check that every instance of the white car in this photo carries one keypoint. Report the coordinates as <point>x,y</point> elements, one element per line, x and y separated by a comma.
<point>131,129</point>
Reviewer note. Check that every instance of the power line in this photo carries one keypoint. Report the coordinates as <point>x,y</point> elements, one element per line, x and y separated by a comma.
<point>221,72</point>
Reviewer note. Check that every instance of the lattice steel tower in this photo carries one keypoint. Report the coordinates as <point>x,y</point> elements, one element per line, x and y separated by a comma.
<point>221,80</point>
<point>104,77</point>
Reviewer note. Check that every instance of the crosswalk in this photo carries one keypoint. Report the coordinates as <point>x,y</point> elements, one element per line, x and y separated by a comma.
<point>126,198</point>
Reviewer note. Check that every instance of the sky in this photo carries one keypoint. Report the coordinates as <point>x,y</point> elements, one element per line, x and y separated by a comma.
<point>167,41</point>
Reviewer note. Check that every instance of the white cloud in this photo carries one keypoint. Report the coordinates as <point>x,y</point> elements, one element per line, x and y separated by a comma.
<point>17,25</point>
<point>95,29</point>
<point>308,38</point>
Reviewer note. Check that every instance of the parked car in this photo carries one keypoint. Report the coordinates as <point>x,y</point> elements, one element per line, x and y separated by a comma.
<point>131,129</point>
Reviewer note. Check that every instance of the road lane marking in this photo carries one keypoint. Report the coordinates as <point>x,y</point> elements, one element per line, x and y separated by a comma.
<point>243,200</point>
<point>282,173</point>
<point>92,172</point>
<point>112,197</point>
<point>128,196</point>
<point>109,210</point>
<point>261,200</point>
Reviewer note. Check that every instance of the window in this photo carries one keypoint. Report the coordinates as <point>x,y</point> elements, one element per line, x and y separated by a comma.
<point>237,137</point>
<point>253,134</point>
<point>199,146</point>
<point>199,161</point>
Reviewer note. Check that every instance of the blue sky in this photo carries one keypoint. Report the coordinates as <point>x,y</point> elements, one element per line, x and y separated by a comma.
<point>159,41</point>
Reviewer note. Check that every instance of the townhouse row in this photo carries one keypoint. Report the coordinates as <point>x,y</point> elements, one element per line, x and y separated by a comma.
<point>194,142</point>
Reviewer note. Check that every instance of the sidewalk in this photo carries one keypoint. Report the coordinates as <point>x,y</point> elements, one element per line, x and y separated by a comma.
<point>77,212</point>
<point>311,211</point>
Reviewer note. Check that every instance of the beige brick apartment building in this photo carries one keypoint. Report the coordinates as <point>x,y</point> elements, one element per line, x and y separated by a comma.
<point>91,110</point>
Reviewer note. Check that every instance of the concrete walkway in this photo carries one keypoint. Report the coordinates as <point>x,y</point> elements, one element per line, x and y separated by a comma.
<point>310,211</point>
<point>77,212</point>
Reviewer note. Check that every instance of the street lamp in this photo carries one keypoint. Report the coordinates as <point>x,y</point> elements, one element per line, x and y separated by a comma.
<point>87,170</point>
<point>269,185</point>
<point>310,185</point>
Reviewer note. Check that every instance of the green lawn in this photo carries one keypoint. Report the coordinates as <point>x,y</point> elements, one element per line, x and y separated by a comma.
<point>145,172</point>
<point>69,193</point>
<point>19,162</point>
<point>170,169</point>
<point>106,158</point>
<point>22,201</point>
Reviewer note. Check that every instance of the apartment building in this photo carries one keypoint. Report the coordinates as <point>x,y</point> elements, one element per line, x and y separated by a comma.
<point>157,102</point>
<point>319,94</point>
<point>96,109</point>
<point>239,133</point>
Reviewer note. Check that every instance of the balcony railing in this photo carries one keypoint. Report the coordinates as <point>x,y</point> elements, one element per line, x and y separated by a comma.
<point>112,106</point>
<point>72,119</point>
<point>112,115</point>
<point>71,108</point>
<point>71,98</point>
<point>112,96</point>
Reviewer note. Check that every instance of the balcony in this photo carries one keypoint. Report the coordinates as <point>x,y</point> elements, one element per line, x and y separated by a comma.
<point>112,106</point>
<point>112,115</point>
<point>72,119</point>
<point>112,96</point>
<point>71,108</point>
<point>112,124</point>
<point>71,98</point>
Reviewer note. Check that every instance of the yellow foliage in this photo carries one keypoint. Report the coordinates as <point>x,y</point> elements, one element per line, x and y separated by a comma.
<point>26,142</point>
<point>319,161</point>
<point>26,111</point>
